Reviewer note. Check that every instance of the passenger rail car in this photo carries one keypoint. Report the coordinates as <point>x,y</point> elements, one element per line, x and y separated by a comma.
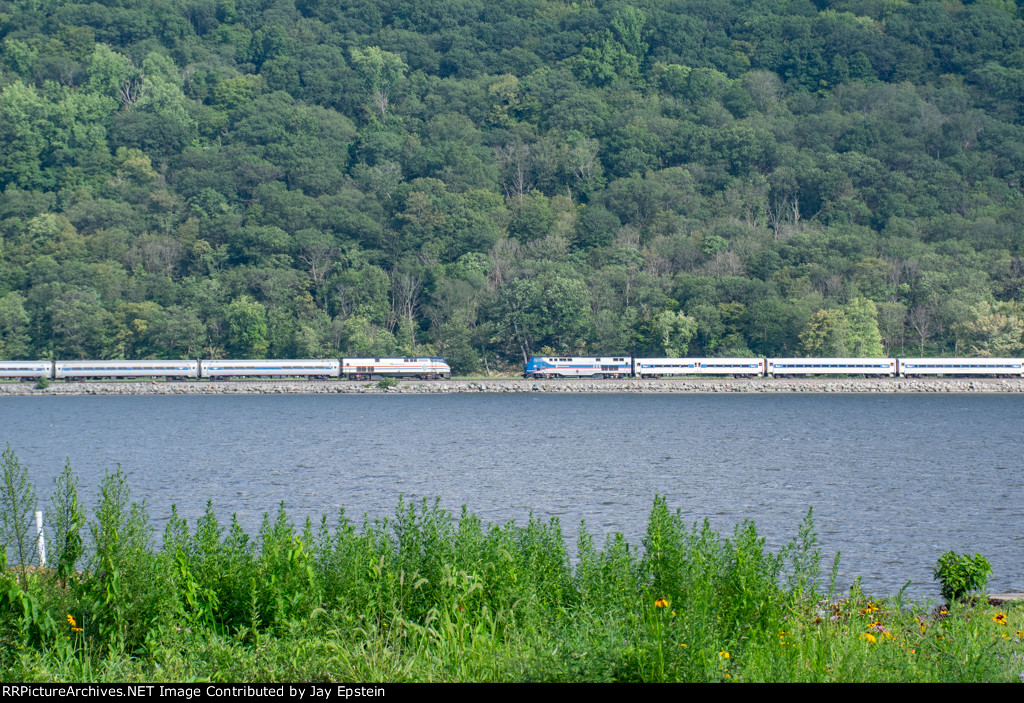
<point>270,368</point>
<point>737,367</point>
<point>827,367</point>
<point>661,368</point>
<point>26,370</point>
<point>961,367</point>
<point>81,370</point>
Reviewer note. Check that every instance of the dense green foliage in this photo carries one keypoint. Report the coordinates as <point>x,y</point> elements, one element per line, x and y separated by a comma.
<point>426,596</point>
<point>487,181</point>
<point>961,574</point>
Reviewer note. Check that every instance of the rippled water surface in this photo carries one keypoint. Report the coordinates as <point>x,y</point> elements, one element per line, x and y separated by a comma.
<point>894,480</point>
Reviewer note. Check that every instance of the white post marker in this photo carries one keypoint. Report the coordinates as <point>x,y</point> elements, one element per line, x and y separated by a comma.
<point>40,541</point>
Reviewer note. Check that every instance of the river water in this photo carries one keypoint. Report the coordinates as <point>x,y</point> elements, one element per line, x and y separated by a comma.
<point>894,480</point>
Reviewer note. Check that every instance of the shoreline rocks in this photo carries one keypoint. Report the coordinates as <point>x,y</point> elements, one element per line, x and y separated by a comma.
<point>412,386</point>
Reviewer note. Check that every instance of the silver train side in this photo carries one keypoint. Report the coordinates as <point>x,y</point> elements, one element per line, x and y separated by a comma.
<point>358,369</point>
<point>639,367</point>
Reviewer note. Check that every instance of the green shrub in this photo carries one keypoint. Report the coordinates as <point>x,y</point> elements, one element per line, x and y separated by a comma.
<point>285,577</point>
<point>17,509</point>
<point>66,518</point>
<point>124,597</point>
<point>961,575</point>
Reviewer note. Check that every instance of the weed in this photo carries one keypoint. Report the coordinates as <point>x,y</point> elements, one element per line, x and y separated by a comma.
<point>17,509</point>
<point>961,574</point>
<point>66,517</point>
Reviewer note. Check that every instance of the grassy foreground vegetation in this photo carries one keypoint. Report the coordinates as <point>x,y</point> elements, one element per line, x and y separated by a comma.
<point>428,596</point>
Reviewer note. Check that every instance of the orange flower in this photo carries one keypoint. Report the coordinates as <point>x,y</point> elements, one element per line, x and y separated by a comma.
<point>661,603</point>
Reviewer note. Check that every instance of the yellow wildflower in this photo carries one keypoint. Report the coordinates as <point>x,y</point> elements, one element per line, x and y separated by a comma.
<point>867,636</point>
<point>661,603</point>
<point>999,618</point>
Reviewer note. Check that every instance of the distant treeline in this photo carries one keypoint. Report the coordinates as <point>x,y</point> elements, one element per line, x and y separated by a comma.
<point>487,181</point>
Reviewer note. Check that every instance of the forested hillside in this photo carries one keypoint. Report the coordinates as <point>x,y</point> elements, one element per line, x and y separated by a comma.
<point>491,180</point>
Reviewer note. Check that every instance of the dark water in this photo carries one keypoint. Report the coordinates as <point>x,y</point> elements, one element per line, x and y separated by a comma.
<point>894,480</point>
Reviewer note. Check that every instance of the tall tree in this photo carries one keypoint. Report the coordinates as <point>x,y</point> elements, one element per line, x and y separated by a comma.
<point>380,71</point>
<point>247,329</point>
<point>864,339</point>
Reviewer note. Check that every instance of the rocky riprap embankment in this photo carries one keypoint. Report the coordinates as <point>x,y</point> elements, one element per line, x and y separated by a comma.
<point>704,385</point>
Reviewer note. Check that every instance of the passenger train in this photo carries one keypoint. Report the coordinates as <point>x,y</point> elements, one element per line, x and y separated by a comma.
<point>636,367</point>
<point>362,369</point>
<point>543,367</point>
